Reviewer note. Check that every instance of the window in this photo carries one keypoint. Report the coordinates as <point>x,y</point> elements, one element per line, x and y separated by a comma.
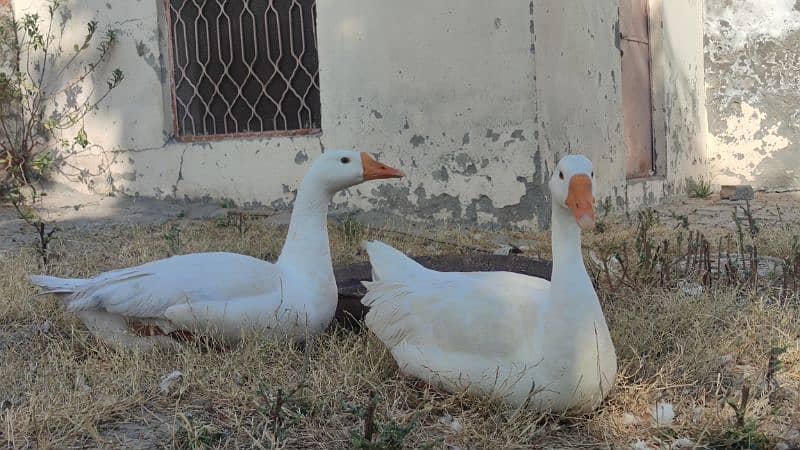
<point>243,68</point>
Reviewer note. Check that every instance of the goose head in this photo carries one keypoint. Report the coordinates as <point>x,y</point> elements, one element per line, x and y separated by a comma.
<point>340,169</point>
<point>571,188</point>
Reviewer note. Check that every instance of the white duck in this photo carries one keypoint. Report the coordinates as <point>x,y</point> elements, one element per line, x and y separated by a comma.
<point>225,293</point>
<point>532,342</point>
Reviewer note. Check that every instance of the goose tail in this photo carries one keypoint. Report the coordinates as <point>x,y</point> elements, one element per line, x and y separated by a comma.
<point>55,285</point>
<point>390,264</point>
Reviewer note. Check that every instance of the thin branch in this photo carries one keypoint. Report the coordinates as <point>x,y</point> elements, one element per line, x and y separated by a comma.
<point>105,47</point>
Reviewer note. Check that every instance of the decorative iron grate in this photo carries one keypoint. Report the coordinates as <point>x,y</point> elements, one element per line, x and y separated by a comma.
<point>244,67</point>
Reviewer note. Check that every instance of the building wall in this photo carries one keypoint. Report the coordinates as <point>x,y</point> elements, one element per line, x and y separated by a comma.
<point>752,64</point>
<point>475,100</point>
<point>681,118</point>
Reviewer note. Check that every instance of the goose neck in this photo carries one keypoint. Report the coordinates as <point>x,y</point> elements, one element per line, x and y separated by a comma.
<point>568,266</point>
<point>307,244</point>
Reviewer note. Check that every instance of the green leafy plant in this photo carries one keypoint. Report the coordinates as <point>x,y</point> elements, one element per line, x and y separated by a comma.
<point>377,434</point>
<point>173,239</point>
<point>45,233</point>
<point>37,127</point>
<point>44,98</point>
<point>282,410</point>
<point>745,433</point>
<point>196,434</point>
<point>698,188</point>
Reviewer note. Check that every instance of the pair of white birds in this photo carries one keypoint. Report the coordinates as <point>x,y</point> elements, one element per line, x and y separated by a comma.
<point>532,342</point>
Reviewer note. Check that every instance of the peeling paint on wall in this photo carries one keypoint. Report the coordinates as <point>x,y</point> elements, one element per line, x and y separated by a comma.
<point>744,144</point>
<point>752,62</point>
<point>476,101</point>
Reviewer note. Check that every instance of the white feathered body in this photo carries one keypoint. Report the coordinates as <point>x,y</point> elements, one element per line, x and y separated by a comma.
<point>222,294</point>
<point>497,334</point>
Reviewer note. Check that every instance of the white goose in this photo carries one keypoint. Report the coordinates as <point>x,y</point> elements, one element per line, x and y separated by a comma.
<point>224,293</point>
<point>528,341</point>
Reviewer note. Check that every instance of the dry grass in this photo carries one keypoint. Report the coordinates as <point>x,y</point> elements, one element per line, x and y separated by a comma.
<point>60,388</point>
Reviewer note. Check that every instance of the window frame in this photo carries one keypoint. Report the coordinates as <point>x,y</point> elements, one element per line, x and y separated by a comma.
<point>176,134</point>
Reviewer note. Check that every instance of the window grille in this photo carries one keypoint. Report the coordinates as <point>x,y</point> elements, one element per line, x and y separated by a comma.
<point>243,68</point>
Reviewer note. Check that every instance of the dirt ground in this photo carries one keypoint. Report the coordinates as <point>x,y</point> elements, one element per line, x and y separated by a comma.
<point>694,352</point>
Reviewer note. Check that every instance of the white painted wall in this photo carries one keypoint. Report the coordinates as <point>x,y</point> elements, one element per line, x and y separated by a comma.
<point>474,99</point>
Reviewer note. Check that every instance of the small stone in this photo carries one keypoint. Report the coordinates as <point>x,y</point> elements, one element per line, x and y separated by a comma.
<point>782,446</point>
<point>682,443</point>
<point>726,360</point>
<point>80,383</point>
<point>663,414</point>
<point>690,288</point>
<point>44,327</point>
<point>640,445</point>
<point>613,263</point>
<point>454,423</point>
<point>697,414</point>
<point>169,381</point>
<point>630,419</point>
<point>768,265</point>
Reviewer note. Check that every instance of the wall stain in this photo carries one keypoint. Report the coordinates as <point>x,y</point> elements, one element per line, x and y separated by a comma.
<point>300,157</point>
<point>441,174</point>
<point>534,203</point>
<point>144,52</point>
<point>614,80</point>
<point>492,135</point>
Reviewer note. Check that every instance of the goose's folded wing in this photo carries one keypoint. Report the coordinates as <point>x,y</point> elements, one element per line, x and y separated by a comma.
<point>150,289</point>
<point>232,317</point>
<point>486,314</point>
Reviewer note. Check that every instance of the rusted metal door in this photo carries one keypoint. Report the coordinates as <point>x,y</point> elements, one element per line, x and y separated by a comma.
<point>636,91</point>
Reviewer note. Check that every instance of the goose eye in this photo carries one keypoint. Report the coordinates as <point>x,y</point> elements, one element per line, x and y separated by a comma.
<point>592,174</point>
<point>345,160</point>
<point>561,174</point>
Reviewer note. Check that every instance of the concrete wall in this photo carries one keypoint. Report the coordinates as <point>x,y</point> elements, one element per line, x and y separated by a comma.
<point>475,99</point>
<point>578,88</point>
<point>680,106</point>
<point>446,90</point>
<point>753,78</point>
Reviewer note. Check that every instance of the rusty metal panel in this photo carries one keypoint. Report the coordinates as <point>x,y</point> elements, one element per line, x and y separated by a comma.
<point>636,89</point>
<point>637,108</point>
<point>633,23</point>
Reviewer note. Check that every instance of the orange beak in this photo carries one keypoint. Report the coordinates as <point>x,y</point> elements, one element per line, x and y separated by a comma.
<point>373,170</point>
<point>581,201</point>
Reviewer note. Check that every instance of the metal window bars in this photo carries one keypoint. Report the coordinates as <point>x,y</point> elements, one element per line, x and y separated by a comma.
<point>243,68</point>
